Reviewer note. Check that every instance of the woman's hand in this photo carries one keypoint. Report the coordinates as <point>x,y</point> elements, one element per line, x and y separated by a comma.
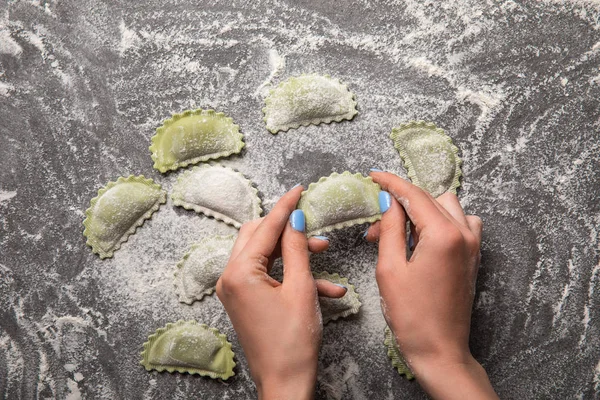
<point>427,300</point>
<point>278,324</point>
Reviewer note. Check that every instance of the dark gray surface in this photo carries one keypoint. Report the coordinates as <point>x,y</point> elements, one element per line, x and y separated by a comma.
<point>84,84</point>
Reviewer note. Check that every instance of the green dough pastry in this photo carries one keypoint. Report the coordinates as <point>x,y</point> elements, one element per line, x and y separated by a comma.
<point>308,99</point>
<point>393,352</point>
<point>429,156</point>
<point>198,272</point>
<point>218,192</point>
<point>338,201</point>
<point>332,309</point>
<point>118,210</point>
<point>187,346</point>
<point>194,136</point>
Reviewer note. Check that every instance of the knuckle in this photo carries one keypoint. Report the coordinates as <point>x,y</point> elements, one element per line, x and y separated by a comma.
<point>228,284</point>
<point>471,242</point>
<point>297,246</point>
<point>449,238</point>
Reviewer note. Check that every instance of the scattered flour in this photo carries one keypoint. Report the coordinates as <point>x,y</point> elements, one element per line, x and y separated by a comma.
<point>5,196</point>
<point>7,44</point>
<point>129,39</point>
<point>277,64</point>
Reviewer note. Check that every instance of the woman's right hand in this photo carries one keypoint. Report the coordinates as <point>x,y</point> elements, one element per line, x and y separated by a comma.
<point>427,300</point>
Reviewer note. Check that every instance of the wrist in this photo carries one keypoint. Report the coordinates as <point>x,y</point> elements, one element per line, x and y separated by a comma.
<point>458,377</point>
<point>286,386</point>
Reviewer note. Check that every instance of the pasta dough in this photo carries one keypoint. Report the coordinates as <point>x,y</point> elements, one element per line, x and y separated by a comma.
<point>194,136</point>
<point>118,210</point>
<point>218,192</point>
<point>332,309</point>
<point>430,158</point>
<point>393,352</point>
<point>198,272</point>
<point>187,346</point>
<point>338,201</point>
<point>308,99</point>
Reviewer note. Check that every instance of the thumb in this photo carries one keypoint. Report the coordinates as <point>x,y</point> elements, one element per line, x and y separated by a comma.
<point>294,252</point>
<point>392,239</point>
<point>329,289</point>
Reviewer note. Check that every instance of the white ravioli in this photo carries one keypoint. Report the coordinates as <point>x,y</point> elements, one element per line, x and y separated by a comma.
<point>199,270</point>
<point>308,99</point>
<point>218,192</point>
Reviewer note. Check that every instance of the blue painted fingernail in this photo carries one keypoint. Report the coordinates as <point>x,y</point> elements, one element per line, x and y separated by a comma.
<point>342,286</point>
<point>295,186</point>
<point>385,201</point>
<point>325,238</point>
<point>376,170</point>
<point>297,220</point>
<point>365,234</point>
<point>411,241</point>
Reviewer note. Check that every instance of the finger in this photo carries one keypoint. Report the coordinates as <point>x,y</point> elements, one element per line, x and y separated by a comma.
<point>372,234</point>
<point>330,289</point>
<point>418,205</point>
<point>294,251</point>
<point>413,239</point>
<point>264,240</point>
<point>392,236</point>
<point>475,226</point>
<point>450,203</point>
<point>318,244</point>
<point>245,233</point>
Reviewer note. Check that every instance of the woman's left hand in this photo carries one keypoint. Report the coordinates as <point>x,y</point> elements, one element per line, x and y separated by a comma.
<point>278,323</point>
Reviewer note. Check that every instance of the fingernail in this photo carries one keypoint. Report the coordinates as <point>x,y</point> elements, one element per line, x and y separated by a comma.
<point>411,241</point>
<point>297,220</point>
<point>385,201</point>
<point>325,238</point>
<point>342,286</point>
<point>376,170</point>
<point>295,186</point>
<point>365,234</point>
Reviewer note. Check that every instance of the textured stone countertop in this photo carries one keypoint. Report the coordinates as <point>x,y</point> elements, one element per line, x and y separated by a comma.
<point>85,83</point>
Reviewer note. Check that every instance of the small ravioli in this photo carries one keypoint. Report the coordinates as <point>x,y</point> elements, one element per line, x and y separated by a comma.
<point>393,352</point>
<point>332,309</point>
<point>430,158</point>
<point>118,210</point>
<point>338,201</point>
<point>187,346</point>
<point>218,192</point>
<point>308,99</point>
<point>194,136</point>
<point>198,272</point>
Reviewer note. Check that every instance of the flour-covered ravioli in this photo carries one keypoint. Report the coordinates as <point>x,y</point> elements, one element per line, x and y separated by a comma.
<point>338,201</point>
<point>332,309</point>
<point>194,136</point>
<point>198,272</point>
<point>187,346</point>
<point>308,99</point>
<point>118,210</point>
<point>430,158</point>
<point>218,192</point>
<point>393,352</point>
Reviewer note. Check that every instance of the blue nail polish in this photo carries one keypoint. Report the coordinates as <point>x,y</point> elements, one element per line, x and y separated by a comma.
<point>297,220</point>
<point>411,241</point>
<point>340,285</point>
<point>376,170</point>
<point>385,201</point>
<point>325,238</point>
<point>365,234</point>
<point>295,186</point>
